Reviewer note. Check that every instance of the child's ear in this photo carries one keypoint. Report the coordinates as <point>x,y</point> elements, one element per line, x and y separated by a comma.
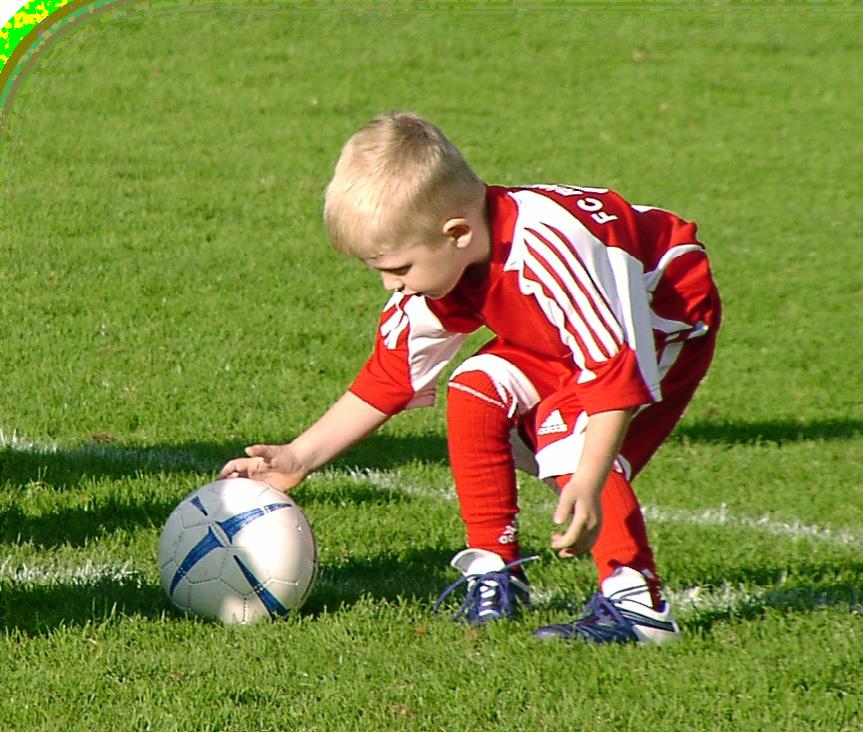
<point>459,231</point>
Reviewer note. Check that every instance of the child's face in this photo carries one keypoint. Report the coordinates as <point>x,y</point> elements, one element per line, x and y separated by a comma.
<point>434,268</point>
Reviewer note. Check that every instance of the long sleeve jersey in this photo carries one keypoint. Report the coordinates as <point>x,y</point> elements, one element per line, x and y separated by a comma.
<point>582,284</point>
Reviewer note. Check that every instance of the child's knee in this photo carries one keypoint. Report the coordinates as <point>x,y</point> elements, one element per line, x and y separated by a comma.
<point>492,380</point>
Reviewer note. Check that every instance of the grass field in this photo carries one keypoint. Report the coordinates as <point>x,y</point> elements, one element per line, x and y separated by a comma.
<point>168,296</point>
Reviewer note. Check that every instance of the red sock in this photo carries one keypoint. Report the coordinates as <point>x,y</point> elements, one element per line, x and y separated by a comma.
<point>478,427</point>
<point>622,539</point>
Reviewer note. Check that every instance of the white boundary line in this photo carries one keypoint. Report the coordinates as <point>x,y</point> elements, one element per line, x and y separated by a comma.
<point>82,575</point>
<point>115,454</point>
<point>721,516</point>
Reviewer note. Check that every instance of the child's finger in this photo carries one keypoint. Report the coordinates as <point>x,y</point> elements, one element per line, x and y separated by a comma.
<point>255,466</point>
<point>570,537</point>
<point>563,512</point>
<point>562,541</point>
<point>569,553</point>
<point>231,469</point>
<point>565,550</point>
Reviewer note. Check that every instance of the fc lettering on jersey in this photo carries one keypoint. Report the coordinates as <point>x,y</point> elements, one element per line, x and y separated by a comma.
<point>587,203</point>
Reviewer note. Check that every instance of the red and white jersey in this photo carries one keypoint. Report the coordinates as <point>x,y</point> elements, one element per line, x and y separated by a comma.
<point>580,282</point>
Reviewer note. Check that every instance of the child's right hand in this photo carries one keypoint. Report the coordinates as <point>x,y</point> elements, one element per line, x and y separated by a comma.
<point>275,465</point>
<point>344,424</point>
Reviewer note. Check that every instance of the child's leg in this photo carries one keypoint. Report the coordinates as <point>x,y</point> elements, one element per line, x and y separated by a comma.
<point>485,397</point>
<point>652,425</point>
<point>683,364</point>
<point>558,430</point>
<point>622,540</point>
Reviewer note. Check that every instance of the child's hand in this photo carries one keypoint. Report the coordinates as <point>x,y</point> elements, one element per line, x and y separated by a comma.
<point>580,506</point>
<point>285,466</point>
<point>275,465</point>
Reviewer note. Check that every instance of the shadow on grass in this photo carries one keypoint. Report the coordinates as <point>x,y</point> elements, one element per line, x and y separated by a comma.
<point>77,526</point>
<point>778,431</point>
<point>36,610</point>
<point>39,610</point>
<point>417,577</point>
<point>127,509</point>
<point>124,509</point>
<point>103,458</point>
<point>106,458</point>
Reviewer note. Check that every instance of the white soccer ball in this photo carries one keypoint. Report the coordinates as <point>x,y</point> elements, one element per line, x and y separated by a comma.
<point>237,551</point>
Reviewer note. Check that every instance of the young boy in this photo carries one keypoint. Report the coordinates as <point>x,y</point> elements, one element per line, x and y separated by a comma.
<point>605,316</point>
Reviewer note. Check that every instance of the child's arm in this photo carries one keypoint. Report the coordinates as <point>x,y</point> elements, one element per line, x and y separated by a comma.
<point>579,500</point>
<point>345,423</point>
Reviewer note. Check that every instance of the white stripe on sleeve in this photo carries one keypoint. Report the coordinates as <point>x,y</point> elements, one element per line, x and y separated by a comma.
<point>430,348</point>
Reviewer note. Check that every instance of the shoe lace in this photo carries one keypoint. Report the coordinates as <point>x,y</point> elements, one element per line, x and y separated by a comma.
<point>604,621</point>
<point>490,591</point>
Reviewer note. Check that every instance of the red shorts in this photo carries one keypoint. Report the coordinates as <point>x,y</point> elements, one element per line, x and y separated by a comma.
<point>551,424</point>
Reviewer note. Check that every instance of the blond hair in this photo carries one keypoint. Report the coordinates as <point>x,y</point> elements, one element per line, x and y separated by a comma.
<point>396,181</point>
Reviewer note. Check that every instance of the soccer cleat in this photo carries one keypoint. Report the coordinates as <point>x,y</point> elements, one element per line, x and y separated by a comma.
<point>493,592</point>
<point>621,613</point>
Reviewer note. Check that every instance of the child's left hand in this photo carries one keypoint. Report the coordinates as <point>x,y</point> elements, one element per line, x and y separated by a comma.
<point>579,502</point>
<point>580,505</point>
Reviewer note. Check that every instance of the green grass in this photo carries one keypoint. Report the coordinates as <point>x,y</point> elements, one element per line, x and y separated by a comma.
<point>169,296</point>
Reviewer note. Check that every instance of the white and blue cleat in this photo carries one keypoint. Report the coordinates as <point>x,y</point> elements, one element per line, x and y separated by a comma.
<point>621,613</point>
<point>494,592</point>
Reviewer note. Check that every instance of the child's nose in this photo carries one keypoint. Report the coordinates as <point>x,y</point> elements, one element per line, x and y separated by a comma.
<point>392,283</point>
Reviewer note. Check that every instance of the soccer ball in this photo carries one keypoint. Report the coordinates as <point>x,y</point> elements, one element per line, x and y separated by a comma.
<point>237,551</point>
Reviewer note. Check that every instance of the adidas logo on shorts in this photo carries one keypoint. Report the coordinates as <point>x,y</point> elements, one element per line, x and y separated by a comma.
<point>553,423</point>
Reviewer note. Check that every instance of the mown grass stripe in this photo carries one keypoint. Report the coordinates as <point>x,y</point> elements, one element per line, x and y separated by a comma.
<point>142,457</point>
<point>711,516</point>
